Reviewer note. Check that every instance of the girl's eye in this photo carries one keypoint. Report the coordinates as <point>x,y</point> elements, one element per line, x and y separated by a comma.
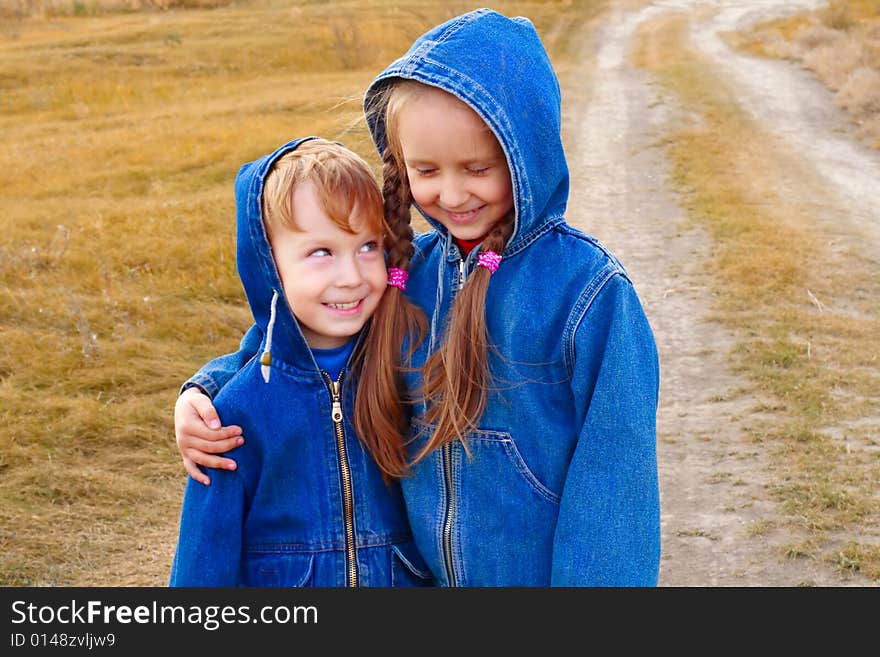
<point>425,171</point>
<point>369,246</point>
<point>320,253</point>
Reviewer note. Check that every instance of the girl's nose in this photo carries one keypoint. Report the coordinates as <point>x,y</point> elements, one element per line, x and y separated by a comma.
<point>452,193</point>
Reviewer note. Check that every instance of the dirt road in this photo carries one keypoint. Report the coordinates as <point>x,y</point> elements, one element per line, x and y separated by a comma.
<point>713,479</point>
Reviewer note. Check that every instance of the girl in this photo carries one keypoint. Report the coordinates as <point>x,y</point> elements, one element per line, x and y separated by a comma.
<point>532,445</point>
<point>308,506</point>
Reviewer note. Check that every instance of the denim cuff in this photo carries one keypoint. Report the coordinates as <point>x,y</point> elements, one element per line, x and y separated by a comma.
<point>203,383</point>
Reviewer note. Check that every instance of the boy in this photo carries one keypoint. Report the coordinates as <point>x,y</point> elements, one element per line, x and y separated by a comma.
<point>307,505</point>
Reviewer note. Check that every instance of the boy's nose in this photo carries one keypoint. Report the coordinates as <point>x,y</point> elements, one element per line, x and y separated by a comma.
<point>348,273</point>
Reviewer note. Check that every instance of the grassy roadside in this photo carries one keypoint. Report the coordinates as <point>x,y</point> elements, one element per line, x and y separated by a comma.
<point>840,44</point>
<point>807,312</point>
<point>122,135</point>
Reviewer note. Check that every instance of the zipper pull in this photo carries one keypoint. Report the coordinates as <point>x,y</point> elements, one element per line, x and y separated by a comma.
<point>460,273</point>
<point>336,412</point>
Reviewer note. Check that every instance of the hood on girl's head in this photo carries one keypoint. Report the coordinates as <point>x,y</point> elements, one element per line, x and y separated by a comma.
<point>499,67</point>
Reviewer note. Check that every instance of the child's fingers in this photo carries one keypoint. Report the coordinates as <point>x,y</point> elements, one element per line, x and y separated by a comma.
<point>191,432</point>
<point>195,473</point>
<point>194,414</point>
<point>210,461</point>
<point>206,411</point>
<point>198,436</point>
<point>232,431</point>
<point>212,445</point>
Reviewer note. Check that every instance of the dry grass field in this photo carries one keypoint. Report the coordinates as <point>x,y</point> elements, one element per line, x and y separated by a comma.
<point>124,125</point>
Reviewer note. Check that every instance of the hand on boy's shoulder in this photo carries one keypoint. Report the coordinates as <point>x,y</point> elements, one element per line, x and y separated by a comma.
<point>200,436</point>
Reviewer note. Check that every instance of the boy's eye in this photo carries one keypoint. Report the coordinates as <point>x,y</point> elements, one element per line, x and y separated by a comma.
<point>369,246</point>
<point>478,171</point>
<point>320,253</point>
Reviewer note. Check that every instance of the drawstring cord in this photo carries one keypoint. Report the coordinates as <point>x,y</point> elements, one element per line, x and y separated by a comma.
<point>266,356</point>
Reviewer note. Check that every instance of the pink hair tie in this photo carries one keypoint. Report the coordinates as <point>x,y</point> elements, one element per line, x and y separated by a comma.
<point>489,260</point>
<point>397,277</point>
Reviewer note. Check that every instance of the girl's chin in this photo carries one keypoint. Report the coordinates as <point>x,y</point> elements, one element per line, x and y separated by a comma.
<point>467,237</point>
<point>469,233</point>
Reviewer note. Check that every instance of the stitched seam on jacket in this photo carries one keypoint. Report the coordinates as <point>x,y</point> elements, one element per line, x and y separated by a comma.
<point>583,304</point>
<point>528,239</point>
<point>332,546</point>
<point>460,23</point>
<point>421,53</point>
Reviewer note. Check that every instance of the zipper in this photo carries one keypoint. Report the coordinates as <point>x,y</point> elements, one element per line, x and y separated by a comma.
<point>446,455</point>
<point>345,471</point>
<point>450,514</point>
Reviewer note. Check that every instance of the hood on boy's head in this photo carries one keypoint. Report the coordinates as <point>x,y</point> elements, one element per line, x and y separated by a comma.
<point>256,266</point>
<point>499,67</point>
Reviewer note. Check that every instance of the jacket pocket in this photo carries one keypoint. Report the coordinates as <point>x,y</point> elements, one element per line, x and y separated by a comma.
<point>492,453</point>
<point>277,569</point>
<point>493,439</point>
<point>407,566</point>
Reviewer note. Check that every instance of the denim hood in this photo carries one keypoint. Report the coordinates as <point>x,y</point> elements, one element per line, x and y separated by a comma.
<point>256,265</point>
<point>512,87</point>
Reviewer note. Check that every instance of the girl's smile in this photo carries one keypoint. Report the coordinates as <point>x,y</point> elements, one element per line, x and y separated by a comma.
<point>464,217</point>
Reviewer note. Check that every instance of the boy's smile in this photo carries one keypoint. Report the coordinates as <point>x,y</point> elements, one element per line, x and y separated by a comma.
<point>333,280</point>
<point>457,171</point>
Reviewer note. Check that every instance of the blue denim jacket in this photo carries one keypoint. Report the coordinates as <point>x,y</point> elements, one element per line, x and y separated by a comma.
<point>307,505</point>
<point>559,485</point>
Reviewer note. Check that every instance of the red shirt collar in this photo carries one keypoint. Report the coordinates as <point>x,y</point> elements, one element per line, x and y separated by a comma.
<point>466,245</point>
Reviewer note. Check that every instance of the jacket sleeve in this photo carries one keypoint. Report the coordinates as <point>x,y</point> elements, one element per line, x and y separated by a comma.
<point>216,373</point>
<point>211,521</point>
<point>608,532</point>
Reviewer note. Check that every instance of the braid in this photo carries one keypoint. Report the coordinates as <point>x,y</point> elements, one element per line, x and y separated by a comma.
<point>496,239</point>
<point>379,418</point>
<point>395,191</point>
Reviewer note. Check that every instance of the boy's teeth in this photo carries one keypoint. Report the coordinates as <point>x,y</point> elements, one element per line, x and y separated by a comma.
<point>344,306</point>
